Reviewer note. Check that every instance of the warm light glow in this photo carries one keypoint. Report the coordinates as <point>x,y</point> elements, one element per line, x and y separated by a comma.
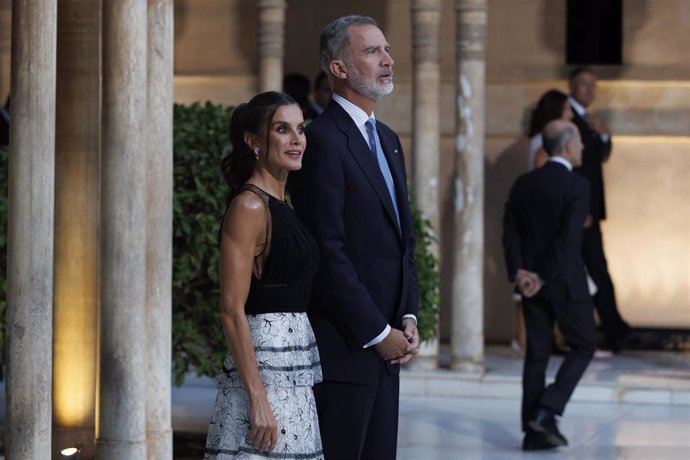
<point>76,294</point>
<point>646,231</point>
<point>69,451</point>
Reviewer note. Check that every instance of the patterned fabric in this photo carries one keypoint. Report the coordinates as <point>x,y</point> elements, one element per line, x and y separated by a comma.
<point>288,361</point>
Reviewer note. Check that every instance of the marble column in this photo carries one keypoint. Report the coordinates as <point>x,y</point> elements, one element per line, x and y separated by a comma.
<point>467,333</point>
<point>426,128</point>
<point>31,173</point>
<point>5,43</point>
<point>121,430</point>
<point>77,219</point>
<point>271,44</point>
<point>159,218</point>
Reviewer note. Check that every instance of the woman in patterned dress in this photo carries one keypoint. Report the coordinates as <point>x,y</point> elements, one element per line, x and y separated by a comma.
<point>265,404</point>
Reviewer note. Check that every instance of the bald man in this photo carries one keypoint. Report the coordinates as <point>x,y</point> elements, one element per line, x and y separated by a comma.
<point>542,239</point>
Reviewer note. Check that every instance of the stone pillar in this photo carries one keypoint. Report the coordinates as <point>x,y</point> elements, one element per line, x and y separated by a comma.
<point>159,198</point>
<point>271,44</point>
<point>121,430</point>
<point>467,334</point>
<point>77,204</point>
<point>426,128</point>
<point>30,231</point>
<point>5,43</point>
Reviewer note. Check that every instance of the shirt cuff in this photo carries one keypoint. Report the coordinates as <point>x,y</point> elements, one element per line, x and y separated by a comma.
<point>410,315</point>
<point>379,338</point>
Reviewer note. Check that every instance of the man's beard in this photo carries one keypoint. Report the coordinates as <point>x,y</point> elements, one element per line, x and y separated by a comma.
<point>369,88</point>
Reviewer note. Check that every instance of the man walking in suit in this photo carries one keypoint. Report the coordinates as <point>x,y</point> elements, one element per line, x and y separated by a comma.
<point>352,194</point>
<point>597,149</point>
<point>542,238</point>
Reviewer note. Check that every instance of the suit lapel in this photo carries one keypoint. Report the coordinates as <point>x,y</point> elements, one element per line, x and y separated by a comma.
<point>365,158</point>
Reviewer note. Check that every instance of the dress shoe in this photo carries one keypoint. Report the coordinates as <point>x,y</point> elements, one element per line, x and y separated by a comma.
<point>544,422</point>
<point>537,441</point>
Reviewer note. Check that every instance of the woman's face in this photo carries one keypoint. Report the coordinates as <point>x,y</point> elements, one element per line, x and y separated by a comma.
<point>567,113</point>
<point>286,140</point>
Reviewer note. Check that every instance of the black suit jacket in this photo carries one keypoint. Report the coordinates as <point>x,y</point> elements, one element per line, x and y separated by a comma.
<point>543,226</point>
<point>366,277</point>
<point>595,152</point>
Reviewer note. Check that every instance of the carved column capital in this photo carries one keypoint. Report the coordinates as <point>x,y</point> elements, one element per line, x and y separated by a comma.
<point>471,28</point>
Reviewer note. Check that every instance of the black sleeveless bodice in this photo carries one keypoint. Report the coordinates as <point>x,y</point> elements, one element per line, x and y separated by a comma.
<point>288,268</point>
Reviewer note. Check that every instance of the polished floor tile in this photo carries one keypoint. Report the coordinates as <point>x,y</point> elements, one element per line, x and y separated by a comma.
<point>489,429</point>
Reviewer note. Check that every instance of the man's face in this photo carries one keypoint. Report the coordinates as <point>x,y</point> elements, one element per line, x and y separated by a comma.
<point>369,66</point>
<point>583,88</point>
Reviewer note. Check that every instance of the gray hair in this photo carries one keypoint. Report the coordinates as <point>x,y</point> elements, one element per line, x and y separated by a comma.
<point>554,137</point>
<point>335,38</point>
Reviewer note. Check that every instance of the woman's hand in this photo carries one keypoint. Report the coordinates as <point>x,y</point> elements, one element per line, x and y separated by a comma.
<point>263,433</point>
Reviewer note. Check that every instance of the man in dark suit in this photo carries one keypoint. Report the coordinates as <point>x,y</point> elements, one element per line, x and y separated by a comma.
<point>543,226</point>
<point>597,141</point>
<point>351,193</point>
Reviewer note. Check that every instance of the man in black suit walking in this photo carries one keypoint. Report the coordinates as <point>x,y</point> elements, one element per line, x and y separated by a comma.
<point>542,238</point>
<point>351,192</point>
<point>597,149</point>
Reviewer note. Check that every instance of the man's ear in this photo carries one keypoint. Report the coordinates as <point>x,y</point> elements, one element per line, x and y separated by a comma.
<point>338,69</point>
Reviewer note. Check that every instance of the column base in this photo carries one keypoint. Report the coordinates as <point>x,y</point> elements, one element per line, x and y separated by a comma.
<point>427,359</point>
<point>82,438</point>
<point>467,365</point>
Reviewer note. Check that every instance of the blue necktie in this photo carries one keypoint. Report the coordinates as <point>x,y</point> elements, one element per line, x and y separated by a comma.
<point>375,145</point>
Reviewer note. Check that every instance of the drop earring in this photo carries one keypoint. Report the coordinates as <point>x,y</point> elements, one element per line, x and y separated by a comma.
<point>256,152</point>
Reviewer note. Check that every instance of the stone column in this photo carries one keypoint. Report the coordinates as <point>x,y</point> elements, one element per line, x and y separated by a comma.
<point>271,44</point>
<point>467,334</point>
<point>5,41</point>
<point>426,128</point>
<point>77,216</point>
<point>121,431</point>
<point>159,198</point>
<point>30,231</point>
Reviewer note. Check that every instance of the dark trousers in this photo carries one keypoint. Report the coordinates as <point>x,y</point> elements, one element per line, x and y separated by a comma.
<point>359,421</point>
<point>613,325</point>
<point>576,321</point>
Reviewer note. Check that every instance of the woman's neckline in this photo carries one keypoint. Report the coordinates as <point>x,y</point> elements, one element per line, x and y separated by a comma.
<point>266,192</point>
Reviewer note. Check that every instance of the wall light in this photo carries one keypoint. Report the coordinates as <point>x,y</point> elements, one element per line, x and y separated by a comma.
<point>71,453</point>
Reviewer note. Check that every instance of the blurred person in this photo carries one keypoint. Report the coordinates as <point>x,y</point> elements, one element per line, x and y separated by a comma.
<point>542,239</point>
<point>265,402</point>
<point>322,92</point>
<point>552,105</point>
<point>298,86</point>
<point>596,138</point>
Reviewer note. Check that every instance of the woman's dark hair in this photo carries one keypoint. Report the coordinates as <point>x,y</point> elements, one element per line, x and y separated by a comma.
<point>549,107</point>
<point>254,117</point>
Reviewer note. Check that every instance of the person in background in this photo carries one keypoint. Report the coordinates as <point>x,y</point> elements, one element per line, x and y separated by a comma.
<point>265,404</point>
<point>298,86</point>
<point>352,194</point>
<point>552,105</point>
<point>597,141</point>
<point>322,92</point>
<point>5,123</point>
<point>542,241</point>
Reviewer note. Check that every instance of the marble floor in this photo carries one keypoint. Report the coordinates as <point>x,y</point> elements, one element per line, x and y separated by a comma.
<point>444,428</point>
<point>633,406</point>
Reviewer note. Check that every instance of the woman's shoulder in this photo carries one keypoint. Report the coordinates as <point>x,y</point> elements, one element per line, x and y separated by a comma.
<point>247,209</point>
